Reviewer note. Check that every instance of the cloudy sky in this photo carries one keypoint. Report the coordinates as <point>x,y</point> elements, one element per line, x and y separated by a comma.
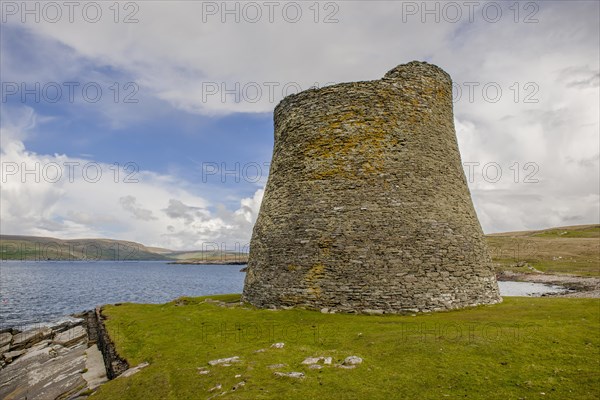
<point>152,120</point>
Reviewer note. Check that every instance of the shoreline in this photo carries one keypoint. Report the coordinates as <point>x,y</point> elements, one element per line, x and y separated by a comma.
<point>73,355</point>
<point>580,286</point>
<point>67,360</point>
<point>202,262</point>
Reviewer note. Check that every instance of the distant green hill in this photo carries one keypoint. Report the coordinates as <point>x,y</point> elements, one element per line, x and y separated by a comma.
<point>36,248</point>
<point>569,249</point>
<point>15,247</point>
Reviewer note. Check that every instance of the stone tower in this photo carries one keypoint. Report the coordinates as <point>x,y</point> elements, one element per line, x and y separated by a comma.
<point>367,207</point>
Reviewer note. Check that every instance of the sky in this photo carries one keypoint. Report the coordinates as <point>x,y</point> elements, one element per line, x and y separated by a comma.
<point>151,121</point>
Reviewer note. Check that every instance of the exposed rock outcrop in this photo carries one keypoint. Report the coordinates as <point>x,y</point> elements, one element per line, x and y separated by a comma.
<point>58,361</point>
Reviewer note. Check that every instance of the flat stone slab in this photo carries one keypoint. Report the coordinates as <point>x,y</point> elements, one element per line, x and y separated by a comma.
<point>311,360</point>
<point>27,338</point>
<point>353,360</point>
<point>9,355</point>
<point>45,373</point>
<point>225,361</point>
<point>295,375</point>
<point>71,336</point>
<point>5,339</point>
<point>96,371</point>
<point>316,360</point>
<point>133,370</point>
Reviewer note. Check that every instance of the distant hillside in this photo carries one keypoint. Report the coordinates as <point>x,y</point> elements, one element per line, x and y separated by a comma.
<point>569,249</point>
<point>15,247</point>
<point>35,248</point>
<point>208,257</point>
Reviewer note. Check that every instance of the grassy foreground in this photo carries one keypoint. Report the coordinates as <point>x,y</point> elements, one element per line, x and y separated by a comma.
<point>524,348</point>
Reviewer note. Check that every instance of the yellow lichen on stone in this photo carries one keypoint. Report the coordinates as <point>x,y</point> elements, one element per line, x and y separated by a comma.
<point>367,205</point>
<point>313,277</point>
<point>350,145</point>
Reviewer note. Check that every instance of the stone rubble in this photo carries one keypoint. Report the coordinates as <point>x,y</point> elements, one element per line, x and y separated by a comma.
<point>353,360</point>
<point>216,387</point>
<point>133,370</point>
<point>312,360</point>
<point>65,360</point>
<point>224,361</point>
<point>296,375</point>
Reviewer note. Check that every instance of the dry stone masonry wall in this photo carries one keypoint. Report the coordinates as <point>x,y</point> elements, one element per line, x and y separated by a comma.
<point>367,208</point>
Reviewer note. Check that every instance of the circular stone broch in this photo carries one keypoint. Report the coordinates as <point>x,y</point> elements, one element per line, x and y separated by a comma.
<point>367,208</point>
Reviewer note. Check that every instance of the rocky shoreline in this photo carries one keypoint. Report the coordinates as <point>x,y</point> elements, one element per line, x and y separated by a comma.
<point>580,286</point>
<point>72,358</point>
<point>203,262</point>
<point>67,360</point>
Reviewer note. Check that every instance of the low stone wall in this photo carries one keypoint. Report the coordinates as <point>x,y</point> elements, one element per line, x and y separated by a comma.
<point>115,365</point>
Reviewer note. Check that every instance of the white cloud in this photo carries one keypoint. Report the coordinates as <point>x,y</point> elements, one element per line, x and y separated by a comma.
<point>66,197</point>
<point>173,54</point>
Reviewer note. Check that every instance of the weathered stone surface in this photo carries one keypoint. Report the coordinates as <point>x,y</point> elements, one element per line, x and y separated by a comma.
<point>353,360</point>
<point>367,206</point>
<point>217,387</point>
<point>28,338</point>
<point>115,365</point>
<point>94,364</point>
<point>297,375</point>
<point>134,370</point>
<point>40,368</point>
<point>70,336</point>
<point>311,360</point>
<point>278,345</point>
<point>9,355</point>
<point>38,375</point>
<point>36,350</point>
<point>5,339</point>
<point>223,361</point>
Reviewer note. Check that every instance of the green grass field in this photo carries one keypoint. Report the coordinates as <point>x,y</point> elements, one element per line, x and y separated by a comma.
<point>523,348</point>
<point>567,250</point>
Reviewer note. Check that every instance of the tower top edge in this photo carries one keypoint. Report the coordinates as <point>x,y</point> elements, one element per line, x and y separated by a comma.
<point>411,70</point>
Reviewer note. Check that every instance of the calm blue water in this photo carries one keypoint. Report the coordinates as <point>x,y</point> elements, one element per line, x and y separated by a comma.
<point>35,292</point>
